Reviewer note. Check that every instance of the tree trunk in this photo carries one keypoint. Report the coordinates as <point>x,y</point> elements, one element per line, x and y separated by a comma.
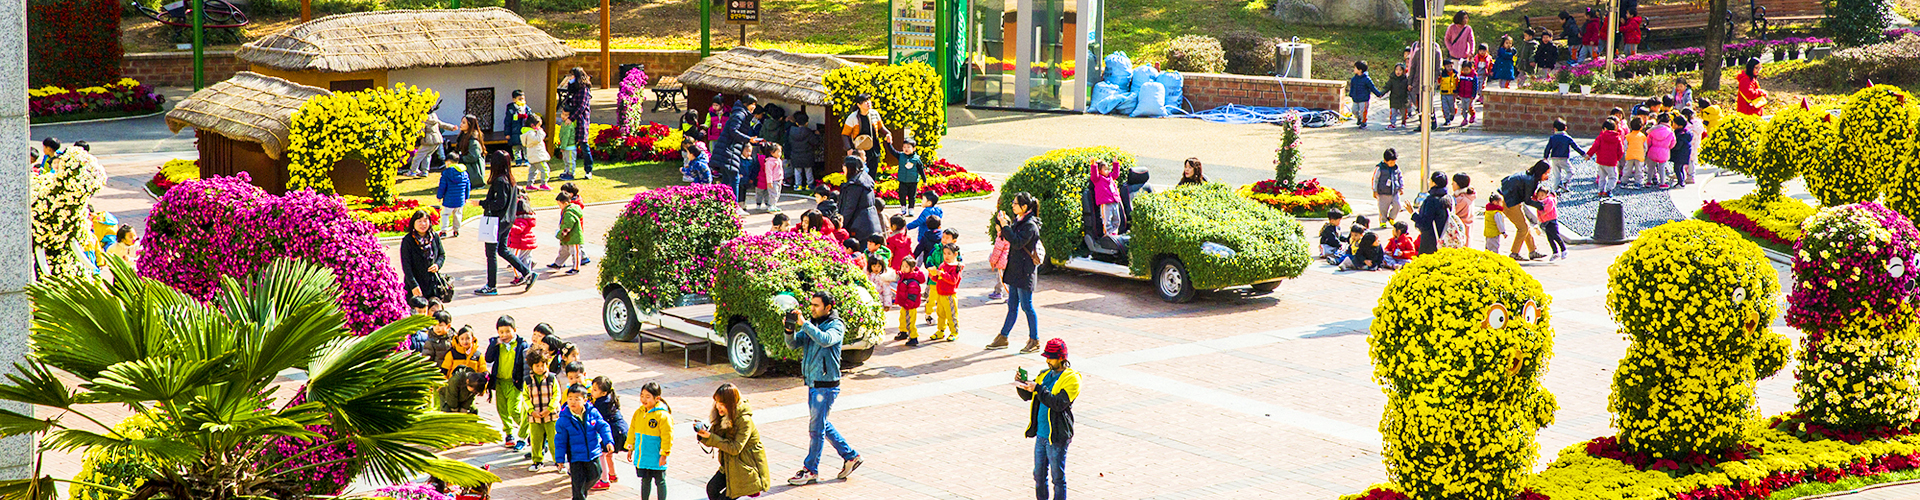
<point>1714,59</point>
<point>514,5</point>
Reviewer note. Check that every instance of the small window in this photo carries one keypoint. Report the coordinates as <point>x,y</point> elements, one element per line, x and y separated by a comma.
<point>480,105</point>
<point>349,85</point>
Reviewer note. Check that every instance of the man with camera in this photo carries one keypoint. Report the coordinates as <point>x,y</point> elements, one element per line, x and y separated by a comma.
<point>818,337</point>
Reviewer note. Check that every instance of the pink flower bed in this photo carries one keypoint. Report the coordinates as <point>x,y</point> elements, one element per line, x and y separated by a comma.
<point>205,229</point>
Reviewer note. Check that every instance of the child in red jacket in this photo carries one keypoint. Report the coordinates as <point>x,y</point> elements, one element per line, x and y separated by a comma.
<point>1607,150</point>
<point>906,294</point>
<point>520,237</point>
<point>1630,31</point>
<point>946,283</point>
<point>1400,248</point>
<point>898,241</point>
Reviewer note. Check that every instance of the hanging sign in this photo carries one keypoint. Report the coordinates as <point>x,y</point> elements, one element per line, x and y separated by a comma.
<point>743,11</point>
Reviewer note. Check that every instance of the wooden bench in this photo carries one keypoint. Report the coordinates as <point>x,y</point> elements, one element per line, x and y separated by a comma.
<point>695,316</point>
<point>1769,15</point>
<point>667,93</point>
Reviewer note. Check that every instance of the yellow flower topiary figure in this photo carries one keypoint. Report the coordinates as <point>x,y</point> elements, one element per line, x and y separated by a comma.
<point>377,126</point>
<point>1459,341</point>
<point>1695,300</point>
<point>1855,302</point>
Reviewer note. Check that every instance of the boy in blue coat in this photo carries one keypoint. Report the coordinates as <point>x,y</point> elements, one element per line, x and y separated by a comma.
<point>1362,90</point>
<point>452,192</point>
<point>579,438</point>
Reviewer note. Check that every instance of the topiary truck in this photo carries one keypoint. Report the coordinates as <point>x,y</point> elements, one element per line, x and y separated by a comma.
<point>676,259</point>
<point>1190,238</point>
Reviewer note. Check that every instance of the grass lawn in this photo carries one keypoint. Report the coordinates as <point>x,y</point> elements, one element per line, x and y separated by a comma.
<point>610,182</point>
<point>1851,483</point>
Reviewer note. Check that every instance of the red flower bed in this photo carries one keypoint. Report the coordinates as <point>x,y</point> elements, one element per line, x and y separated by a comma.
<point>1720,215</point>
<point>1609,447</point>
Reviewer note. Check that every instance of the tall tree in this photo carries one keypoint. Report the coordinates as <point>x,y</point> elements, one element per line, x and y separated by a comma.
<point>1715,57</point>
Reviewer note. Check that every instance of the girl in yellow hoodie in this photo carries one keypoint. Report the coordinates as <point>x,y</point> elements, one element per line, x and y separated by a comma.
<point>650,436</point>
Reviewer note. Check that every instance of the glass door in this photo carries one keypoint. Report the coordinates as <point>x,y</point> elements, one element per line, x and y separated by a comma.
<point>991,39</point>
<point>1044,62</point>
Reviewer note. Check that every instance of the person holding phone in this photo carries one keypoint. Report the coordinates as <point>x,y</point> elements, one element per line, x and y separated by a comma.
<point>819,340</point>
<point>743,461</point>
<point>1050,417</point>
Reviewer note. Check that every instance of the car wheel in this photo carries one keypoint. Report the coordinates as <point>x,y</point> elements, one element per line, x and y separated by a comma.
<point>1267,287</point>
<point>745,352</point>
<point>618,315</point>
<point>1170,276</point>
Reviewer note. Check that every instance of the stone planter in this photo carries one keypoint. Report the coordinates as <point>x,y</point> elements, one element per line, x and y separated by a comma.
<point>1793,52</point>
<point>1819,52</point>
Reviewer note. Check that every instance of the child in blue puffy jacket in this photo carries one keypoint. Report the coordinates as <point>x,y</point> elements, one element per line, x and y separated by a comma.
<point>453,192</point>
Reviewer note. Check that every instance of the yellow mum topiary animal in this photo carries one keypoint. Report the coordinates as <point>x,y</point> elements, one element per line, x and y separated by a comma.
<point>1459,341</point>
<point>1695,299</point>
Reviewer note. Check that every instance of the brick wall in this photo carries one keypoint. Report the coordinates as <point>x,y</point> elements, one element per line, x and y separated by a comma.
<point>176,68</point>
<point>1207,90</point>
<point>1526,111</point>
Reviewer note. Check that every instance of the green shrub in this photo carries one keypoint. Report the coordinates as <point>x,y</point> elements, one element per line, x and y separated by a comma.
<point>1636,86</point>
<point>1463,396</point>
<point>1893,61</point>
<point>752,269</point>
<point>1056,180</point>
<point>1196,54</point>
<point>559,5</point>
<point>1263,244</point>
<point>663,243</point>
<point>75,43</point>
<point>1247,53</point>
<point>117,467</point>
<point>1856,22</point>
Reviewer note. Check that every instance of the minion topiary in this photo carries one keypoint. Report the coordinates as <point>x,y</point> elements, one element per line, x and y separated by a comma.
<point>1875,130</point>
<point>1736,144</point>
<point>1459,341</point>
<point>1855,302</point>
<point>1797,137</point>
<point>1695,300</point>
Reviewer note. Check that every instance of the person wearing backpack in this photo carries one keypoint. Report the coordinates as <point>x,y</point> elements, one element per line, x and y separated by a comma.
<point>1387,187</point>
<point>906,294</point>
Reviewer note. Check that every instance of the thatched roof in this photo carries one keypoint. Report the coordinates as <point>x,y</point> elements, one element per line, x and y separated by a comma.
<point>249,107</point>
<point>766,74</point>
<point>401,39</point>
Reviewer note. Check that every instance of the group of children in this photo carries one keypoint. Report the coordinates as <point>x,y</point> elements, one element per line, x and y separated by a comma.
<point>916,266</point>
<point>520,237</point>
<point>1361,250</point>
<point>1653,146</point>
<point>769,172</point>
<point>534,383</point>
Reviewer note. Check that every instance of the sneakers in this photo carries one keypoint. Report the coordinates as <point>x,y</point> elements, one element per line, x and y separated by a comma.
<point>995,295</point>
<point>534,468</point>
<point>568,177</point>
<point>585,261</point>
<point>600,485</point>
<point>847,469</point>
<point>901,336</point>
<point>1033,346</point>
<point>507,443</point>
<point>487,291</point>
<point>1516,256</point>
<point>519,445</point>
<point>803,478</point>
<point>531,277</point>
<point>1536,256</point>
<point>999,342</point>
<point>913,342</point>
<point>929,320</point>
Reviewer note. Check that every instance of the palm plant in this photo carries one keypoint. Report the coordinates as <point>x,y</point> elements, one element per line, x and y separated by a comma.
<point>205,373</point>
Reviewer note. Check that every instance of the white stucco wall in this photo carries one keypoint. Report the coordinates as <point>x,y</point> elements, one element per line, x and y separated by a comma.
<point>453,83</point>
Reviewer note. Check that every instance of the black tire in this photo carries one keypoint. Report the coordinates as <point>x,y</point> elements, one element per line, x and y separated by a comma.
<point>618,315</point>
<point>1267,287</point>
<point>745,351</point>
<point>1171,279</point>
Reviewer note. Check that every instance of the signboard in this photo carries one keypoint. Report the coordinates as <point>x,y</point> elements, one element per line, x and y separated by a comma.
<point>912,32</point>
<point>743,11</point>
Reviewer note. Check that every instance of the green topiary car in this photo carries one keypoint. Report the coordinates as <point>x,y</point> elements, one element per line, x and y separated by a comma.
<point>751,270</point>
<point>1190,238</point>
<point>660,251</point>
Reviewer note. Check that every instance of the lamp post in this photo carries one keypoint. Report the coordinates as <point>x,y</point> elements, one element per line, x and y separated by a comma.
<point>606,53</point>
<point>706,28</point>
<point>199,45</point>
<point>1423,52</point>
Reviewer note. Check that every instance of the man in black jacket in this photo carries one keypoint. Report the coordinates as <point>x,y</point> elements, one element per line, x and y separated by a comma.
<point>740,131</point>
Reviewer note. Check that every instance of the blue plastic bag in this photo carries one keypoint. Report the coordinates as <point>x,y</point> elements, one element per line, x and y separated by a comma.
<point>1152,101</point>
<point>1173,83</point>
<point>1119,70</point>
<point>1141,75</point>
<point>1126,103</point>
<point>1104,97</point>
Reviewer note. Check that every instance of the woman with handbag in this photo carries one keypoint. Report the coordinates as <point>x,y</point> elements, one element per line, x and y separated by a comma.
<point>863,130</point>
<point>420,258</point>
<point>501,205</point>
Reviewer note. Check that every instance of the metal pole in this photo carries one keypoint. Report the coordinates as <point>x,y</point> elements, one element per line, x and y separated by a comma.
<point>199,45</point>
<point>942,30</point>
<point>306,10</point>
<point>606,50</point>
<point>1424,52</point>
<point>1613,29</point>
<point>453,4</point>
<point>706,28</point>
<point>743,35</point>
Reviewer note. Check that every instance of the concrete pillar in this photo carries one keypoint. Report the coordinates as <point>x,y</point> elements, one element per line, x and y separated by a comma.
<point>16,262</point>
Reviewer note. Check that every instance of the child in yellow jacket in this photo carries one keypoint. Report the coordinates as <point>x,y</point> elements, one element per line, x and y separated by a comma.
<point>1495,222</point>
<point>650,436</point>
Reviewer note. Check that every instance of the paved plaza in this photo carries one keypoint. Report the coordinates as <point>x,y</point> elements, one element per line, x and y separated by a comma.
<point>1234,395</point>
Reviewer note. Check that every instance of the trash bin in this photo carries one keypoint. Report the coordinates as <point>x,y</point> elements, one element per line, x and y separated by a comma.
<point>1609,225</point>
<point>622,75</point>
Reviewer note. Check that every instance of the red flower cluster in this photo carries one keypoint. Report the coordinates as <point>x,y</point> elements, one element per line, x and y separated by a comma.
<point>1386,494</point>
<point>1717,214</point>
<point>1804,428</point>
<point>618,144</point>
<point>403,206</point>
<point>1609,447</point>
<point>1273,186</point>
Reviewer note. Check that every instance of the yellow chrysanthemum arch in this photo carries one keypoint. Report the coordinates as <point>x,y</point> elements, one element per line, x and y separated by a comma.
<point>376,126</point>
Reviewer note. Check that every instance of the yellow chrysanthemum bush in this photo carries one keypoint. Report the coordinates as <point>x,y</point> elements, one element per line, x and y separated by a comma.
<point>376,126</point>
<point>1854,300</point>
<point>1695,300</point>
<point>1874,129</point>
<point>908,96</point>
<point>1736,144</point>
<point>1459,341</point>
<point>1796,137</point>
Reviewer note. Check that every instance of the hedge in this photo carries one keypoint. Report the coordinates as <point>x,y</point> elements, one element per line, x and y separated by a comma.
<point>663,243</point>
<point>1265,244</point>
<point>1696,300</point>
<point>1857,363</point>
<point>752,269</point>
<point>1056,180</point>
<point>117,467</point>
<point>75,43</point>
<point>1459,342</point>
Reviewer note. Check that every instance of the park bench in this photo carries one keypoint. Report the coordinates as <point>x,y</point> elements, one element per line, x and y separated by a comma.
<point>694,318</point>
<point>1770,15</point>
<point>1666,21</point>
<point>667,93</point>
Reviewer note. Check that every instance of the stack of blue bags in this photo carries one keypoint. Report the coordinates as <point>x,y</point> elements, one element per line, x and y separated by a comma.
<point>1136,91</point>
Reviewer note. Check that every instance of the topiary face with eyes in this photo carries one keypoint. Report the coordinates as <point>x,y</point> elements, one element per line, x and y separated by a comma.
<point>1695,300</point>
<point>1459,341</point>
<point>1855,301</point>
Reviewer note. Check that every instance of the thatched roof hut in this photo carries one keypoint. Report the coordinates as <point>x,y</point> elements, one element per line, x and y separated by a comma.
<point>248,107</point>
<point>404,39</point>
<point>766,74</point>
